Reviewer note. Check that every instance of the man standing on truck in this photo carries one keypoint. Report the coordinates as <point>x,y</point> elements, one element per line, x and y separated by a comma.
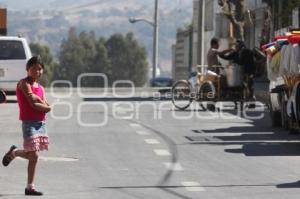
<point>244,57</point>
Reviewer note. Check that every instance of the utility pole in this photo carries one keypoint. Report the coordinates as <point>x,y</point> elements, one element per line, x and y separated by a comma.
<point>155,39</point>
<point>202,33</point>
<point>155,25</point>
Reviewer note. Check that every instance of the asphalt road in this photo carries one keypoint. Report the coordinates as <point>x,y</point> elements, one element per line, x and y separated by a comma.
<point>148,150</point>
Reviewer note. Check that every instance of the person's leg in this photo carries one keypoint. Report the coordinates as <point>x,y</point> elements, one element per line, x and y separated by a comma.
<point>21,154</point>
<point>251,96</point>
<point>32,158</point>
<point>249,84</point>
<point>251,87</point>
<point>32,162</point>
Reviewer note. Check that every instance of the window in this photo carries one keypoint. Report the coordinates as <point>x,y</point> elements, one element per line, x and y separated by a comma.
<point>11,50</point>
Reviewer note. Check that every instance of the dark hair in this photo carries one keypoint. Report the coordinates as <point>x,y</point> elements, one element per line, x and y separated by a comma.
<point>34,60</point>
<point>214,41</point>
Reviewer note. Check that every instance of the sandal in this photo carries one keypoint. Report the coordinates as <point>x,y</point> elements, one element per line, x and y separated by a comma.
<point>8,157</point>
<point>32,192</point>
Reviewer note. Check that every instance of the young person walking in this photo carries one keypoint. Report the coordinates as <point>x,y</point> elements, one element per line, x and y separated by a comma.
<point>33,107</point>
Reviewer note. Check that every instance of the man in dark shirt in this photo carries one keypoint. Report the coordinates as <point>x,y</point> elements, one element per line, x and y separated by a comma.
<point>245,58</point>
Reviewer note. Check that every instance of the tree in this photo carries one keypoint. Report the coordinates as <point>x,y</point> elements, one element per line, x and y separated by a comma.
<point>101,60</point>
<point>71,58</point>
<point>128,59</point>
<point>138,61</point>
<point>120,58</point>
<point>82,54</point>
<point>50,65</point>
<point>239,16</point>
<point>267,26</point>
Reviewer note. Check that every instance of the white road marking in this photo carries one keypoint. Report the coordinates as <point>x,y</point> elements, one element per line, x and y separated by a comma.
<point>58,159</point>
<point>162,152</point>
<point>152,141</point>
<point>174,167</point>
<point>193,186</point>
<point>55,159</point>
<point>142,133</point>
<point>135,125</point>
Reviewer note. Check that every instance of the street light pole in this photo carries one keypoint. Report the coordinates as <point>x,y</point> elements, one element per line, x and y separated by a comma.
<point>202,35</point>
<point>155,39</point>
<point>155,25</point>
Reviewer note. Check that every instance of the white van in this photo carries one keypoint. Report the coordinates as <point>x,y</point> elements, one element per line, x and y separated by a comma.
<point>14,54</point>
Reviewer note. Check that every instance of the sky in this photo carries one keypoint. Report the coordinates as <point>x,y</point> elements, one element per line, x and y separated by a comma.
<point>62,4</point>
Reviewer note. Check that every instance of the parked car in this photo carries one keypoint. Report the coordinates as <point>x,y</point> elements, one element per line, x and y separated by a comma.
<point>14,53</point>
<point>161,82</point>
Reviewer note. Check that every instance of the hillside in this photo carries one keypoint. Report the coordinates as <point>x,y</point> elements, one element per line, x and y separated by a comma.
<point>48,21</point>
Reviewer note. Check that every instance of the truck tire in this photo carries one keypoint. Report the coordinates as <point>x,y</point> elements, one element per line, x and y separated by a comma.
<point>275,117</point>
<point>298,104</point>
<point>284,116</point>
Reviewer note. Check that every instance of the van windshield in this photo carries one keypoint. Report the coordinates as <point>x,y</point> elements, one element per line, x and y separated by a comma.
<point>11,50</point>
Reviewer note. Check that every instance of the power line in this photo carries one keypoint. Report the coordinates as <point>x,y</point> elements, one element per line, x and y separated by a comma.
<point>82,6</point>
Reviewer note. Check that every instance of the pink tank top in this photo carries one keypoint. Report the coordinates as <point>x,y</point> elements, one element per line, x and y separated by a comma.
<point>27,113</point>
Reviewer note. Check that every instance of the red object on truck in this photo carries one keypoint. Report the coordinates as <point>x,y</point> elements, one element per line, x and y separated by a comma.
<point>280,37</point>
<point>294,39</point>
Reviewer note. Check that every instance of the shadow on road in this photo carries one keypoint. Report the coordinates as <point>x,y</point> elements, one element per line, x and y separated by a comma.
<point>10,195</point>
<point>257,139</point>
<point>203,186</point>
<point>289,185</point>
<point>268,149</point>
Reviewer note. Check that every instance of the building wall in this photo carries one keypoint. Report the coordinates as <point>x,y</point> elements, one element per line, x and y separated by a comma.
<point>173,59</point>
<point>182,55</point>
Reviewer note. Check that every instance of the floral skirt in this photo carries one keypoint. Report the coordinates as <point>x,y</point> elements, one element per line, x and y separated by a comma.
<point>35,136</point>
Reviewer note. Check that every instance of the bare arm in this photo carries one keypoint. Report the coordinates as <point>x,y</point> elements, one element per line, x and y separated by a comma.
<point>223,52</point>
<point>45,99</point>
<point>228,54</point>
<point>34,101</point>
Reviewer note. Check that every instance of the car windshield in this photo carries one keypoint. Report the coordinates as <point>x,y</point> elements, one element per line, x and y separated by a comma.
<point>11,50</point>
